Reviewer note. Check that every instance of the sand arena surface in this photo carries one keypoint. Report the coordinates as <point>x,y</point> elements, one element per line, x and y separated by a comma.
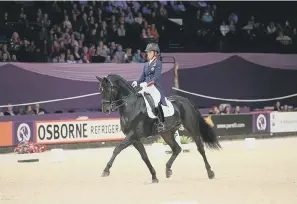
<point>267,173</point>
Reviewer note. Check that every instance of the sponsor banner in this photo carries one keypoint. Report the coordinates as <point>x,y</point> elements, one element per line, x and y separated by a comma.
<point>283,122</point>
<point>23,132</point>
<point>76,131</point>
<point>6,134</point>
<point>225,125</point>
<point>261,123</point>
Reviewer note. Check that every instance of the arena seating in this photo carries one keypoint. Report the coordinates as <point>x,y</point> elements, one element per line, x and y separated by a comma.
<point>92,31</point>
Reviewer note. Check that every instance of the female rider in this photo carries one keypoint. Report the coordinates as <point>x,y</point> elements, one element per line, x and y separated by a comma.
<point>151,75</point>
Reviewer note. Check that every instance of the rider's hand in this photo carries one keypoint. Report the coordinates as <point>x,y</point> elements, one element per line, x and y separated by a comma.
<point>134,84</point>
<point>143,84</point>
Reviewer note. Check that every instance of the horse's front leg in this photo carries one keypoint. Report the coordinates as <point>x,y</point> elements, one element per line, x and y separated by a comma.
<point>140,148</point>
<point>123,144</point>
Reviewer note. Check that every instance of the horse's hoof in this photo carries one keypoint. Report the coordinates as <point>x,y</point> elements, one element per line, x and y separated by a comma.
<point>105,173</point>
<point>168,173</point>
<point>211,174</point>
<point>155,180</point>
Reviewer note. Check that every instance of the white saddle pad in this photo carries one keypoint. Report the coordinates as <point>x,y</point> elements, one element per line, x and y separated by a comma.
<point>153,91</point>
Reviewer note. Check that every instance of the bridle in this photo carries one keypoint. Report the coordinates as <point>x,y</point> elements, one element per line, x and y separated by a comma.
<point>112,104</point>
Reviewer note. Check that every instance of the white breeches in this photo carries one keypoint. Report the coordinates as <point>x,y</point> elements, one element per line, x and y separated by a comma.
<point>154,92</point>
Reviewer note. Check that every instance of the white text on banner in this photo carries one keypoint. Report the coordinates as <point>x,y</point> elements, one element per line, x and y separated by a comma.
<point>283,122</point>
<point>54,132</point>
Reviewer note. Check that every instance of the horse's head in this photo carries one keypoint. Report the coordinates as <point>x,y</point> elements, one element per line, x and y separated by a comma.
<point>113,88</point>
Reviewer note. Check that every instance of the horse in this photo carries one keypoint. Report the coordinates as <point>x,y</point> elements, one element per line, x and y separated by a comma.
<point>119,95</point>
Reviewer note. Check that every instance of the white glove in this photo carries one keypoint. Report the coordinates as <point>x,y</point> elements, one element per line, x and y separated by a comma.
<point>143,84</point>
<point>134,84</point>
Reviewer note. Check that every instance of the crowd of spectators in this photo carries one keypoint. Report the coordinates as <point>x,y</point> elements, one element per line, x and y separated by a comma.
<point>82,32</point>
<point>28,110</point>
<point>226,109</point>
<point>233,31</point>
<point>117,31</point>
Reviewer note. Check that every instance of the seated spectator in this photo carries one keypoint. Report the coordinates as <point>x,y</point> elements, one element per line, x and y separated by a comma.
<point>113,48</point>
<point>62,58</point>
<point>10,111</point>
<point>237,110</point>
<point>149,34</point>
<point>249,26</point>
<point>86,54</point>
<point>233,17</point>
<point>129,18</point>
<point>283,39</point>
<point>120,54</point>
<point>163,11</point>
<point>154,32</point>
<point>101,50</point>
<point>5,58</point>
<point>38,110</point>
<point>139,19</point>
<point>5,51</point>
<point>285,108</point>
<point>77,56</point>
<point>287,30</point>
<point>66,22</point>
<point>207,18</point>
<point>121,31</point>
<point>138,57</point>
<point>112,21</point>
<point>271,29</point>
<point>277,106</point>
<point>224,29</point>
<point>128,55</point>
<point>115,59</point>
<point>70,59</point>
<point>29,111</point>
<point>144,34</point>
<point>227,110</point>
<point>214,111</point>
<point>85,59</point>
<point>221,109</point>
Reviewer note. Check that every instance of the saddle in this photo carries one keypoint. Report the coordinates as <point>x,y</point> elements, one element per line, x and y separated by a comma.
<point>150,101</point>
<point>150,106</point>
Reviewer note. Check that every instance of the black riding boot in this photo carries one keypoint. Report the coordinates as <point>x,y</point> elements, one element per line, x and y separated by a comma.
<point>160,115</point>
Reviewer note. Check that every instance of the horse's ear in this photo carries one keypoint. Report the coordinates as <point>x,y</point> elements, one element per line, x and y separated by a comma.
<point>99,79</point>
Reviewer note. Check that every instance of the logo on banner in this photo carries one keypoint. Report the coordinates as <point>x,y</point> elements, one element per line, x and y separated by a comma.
<point>51,132</point>
<point>23,132</point>
<point>261,122</point>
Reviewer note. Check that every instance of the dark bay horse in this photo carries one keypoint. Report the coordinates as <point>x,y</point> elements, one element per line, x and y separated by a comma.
<point>119,95</point>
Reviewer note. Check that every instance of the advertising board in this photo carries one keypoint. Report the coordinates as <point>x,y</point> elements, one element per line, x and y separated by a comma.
<point>23,131</point>
<point>283,122</point>
<point>6,134</point>
<point>225,125</point>
<point>261,123</point>
<point>77,131</point>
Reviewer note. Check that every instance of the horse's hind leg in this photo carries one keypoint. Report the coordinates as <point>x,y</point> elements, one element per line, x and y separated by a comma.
<point>139,146</point>
<point>176,149</point>
<point>201,150</point>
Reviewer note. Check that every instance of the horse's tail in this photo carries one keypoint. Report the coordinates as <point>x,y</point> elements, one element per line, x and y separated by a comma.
<point>194,122</point>
<point>208,134</point>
